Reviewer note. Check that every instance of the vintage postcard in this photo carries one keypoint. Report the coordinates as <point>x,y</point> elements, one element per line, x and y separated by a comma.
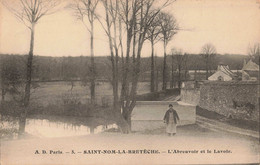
<point>129,82</point>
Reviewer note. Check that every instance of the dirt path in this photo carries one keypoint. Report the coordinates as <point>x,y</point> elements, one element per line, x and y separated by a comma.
<point>189,138</point>
<point>220,126</point>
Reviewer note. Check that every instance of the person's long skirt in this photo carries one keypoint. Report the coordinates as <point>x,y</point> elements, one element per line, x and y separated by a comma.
<point>171,127</point>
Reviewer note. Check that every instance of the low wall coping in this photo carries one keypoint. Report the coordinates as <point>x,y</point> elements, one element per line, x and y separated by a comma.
<point>162,103</point>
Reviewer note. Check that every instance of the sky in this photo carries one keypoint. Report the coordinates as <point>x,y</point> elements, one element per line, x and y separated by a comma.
<point>232,26</point>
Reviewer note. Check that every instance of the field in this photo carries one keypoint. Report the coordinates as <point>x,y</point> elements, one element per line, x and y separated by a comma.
<point>67,99</point>
<point>53,93</point>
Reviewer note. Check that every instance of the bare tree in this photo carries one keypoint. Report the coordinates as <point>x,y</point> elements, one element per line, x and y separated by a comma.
<point>85,10</point>
<point>185,66</point>
<point>207,52</point>
<point>172,71</point>
<point>29,12</point>
<point>153,35</point>
<point>134,17</point>
<point>195,65</point>
<point>181,61</point>
<point>112,22</point>
<point>136,23</point>
<point>169,28</point>
<point>254,52</point>
<point>157,73</point>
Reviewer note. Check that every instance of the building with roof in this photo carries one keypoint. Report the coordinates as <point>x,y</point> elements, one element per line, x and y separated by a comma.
<point>250,71</point>
<point>223,73</point>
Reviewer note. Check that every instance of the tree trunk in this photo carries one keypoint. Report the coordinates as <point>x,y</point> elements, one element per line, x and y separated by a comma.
<point>122,123</point>
<point>195,75</point>
<point>157,75</point>
<point>185,75</point>
<point>3,93</point>
<point>164,68</point>
<point>157,80</point>
<point>207,68</point>
<point>114,60</point>
<point>26,100</point>
<point>179,81</point>
<point>115,93</point>
<point>129,121</point>
<point>152,66</point>
<point>114,82</point>
<point>22,122</point>
<point>92,81</point>
<point>116,74</point>
<point>125,67</point>
<point>172,76</point>
<point>29,70</point>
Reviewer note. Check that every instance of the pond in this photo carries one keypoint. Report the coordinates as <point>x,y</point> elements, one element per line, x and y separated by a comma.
<point>51,127</point>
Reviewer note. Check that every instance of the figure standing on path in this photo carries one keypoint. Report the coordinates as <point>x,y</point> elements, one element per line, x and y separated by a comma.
<point>170,118</point>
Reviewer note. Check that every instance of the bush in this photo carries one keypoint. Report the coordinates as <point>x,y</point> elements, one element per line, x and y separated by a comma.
<point>70,99</point>
<point>72,105</point>
<point>10,108</point>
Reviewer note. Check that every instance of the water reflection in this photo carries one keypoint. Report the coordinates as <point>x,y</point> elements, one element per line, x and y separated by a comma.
<point>9,128</point>
<point>48,128</point>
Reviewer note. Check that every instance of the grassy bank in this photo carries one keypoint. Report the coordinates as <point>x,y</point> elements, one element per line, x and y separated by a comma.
<point>245,124</point>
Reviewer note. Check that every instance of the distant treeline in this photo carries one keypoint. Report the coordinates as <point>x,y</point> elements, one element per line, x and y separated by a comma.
<point>77,68</point>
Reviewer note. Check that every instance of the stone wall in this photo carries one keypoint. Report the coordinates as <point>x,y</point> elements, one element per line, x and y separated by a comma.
<point>190,93</point>
<point>191,96</point>
<point>233,99</point>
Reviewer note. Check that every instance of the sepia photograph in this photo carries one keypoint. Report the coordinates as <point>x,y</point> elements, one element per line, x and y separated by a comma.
<point>129,82</point>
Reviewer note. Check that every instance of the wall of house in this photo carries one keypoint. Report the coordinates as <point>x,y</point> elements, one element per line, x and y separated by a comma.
<point>250,75</point>
<point>233,99</point>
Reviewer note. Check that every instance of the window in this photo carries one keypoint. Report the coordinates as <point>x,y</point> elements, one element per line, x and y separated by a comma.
<point>220,78</point>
